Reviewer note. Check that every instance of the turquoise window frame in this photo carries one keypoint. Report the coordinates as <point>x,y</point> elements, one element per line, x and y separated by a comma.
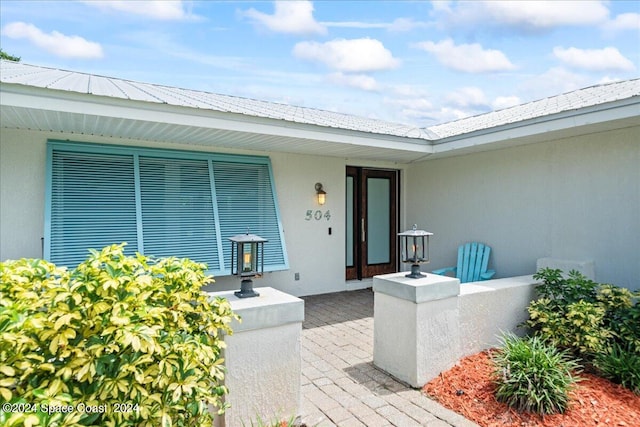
<point>277,261</point>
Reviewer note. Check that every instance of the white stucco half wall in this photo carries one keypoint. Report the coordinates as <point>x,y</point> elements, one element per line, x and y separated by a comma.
<point>425,326</point>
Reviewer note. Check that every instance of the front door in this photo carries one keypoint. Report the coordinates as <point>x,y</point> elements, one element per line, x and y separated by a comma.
<point>372,222</point>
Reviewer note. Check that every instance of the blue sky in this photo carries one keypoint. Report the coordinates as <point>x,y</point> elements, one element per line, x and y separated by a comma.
<point>414,62</point>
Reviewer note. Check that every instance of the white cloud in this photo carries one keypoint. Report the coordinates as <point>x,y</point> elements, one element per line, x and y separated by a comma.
<point>54,42</point>
<point>355,24</point>
<point>470,58</point>
<point>606,59</point>
<point>417,110</point>
<point>406,24</point>
<point>525,15</point>
<point>554,81</point>
<point>416,106</point>
<point>467,97</point>
<point>359,81</point>
<point>397,25</point>
<point>502,102</point>
<point>412,103</point>
<point>624,21</point>
<point>442,5</point>
<point>355,55</point>
<point>409,90</point>
<point>447,114</point>
<point>547,14</point>
<point>155,9</point>
<point>430,117</point>
<point>294,17</point>
<point>607,79</point>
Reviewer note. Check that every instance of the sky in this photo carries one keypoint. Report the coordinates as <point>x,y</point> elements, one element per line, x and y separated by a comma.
<point>415,62</point>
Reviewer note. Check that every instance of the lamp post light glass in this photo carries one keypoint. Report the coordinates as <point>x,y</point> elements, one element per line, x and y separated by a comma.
<point>247,261</point>
<point>415,244</point>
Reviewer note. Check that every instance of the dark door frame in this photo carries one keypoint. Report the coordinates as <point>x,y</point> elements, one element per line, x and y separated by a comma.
<point>361,268</point>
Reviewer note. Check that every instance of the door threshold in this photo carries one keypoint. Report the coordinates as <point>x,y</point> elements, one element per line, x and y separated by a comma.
<point>354,285</point>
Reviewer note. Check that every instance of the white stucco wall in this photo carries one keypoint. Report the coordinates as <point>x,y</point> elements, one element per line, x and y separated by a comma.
<point>576,198</point>
<point>422,327</point>
<point>317,256</point>
<point>22,187</point>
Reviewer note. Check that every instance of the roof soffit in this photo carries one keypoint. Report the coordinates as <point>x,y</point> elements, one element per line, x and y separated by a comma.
<point>44,110</point>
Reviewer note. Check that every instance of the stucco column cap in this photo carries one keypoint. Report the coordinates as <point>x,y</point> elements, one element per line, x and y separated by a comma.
<point>272,308</point>
<point>430,288</point>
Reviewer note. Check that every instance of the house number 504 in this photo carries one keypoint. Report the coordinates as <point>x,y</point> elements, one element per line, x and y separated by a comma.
<point>317,215</point>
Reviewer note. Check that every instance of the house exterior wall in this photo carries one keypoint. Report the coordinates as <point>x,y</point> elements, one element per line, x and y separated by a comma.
<point>576,198</point>
<point>315,254</point>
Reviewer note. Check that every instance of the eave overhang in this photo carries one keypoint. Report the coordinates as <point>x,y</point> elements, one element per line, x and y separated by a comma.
<point>27,107</point>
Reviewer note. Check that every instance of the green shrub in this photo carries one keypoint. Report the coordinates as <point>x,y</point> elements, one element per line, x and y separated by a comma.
<point>583,316</point>
<point>533,376</point>
<point>622,315</point>
<point>620,365</point>
<point>575,287</point>
<point>121,341</point>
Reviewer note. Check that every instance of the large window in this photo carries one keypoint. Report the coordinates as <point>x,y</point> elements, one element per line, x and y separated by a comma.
<point>161,202</point>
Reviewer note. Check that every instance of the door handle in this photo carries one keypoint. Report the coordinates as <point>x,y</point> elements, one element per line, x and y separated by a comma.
<point>362,232</point>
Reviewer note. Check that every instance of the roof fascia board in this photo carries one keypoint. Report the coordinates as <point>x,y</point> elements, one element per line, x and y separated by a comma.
<point>624,109</point>
<point>85,104</point>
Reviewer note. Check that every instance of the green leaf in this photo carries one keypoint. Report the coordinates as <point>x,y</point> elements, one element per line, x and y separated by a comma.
<point>7,370</point>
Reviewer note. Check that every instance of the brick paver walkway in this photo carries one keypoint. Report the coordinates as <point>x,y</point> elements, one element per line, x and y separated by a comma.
<point>340,384</point>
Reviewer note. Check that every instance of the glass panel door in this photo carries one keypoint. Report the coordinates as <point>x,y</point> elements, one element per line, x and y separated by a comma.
<point>378,212</point>
<point>371,216</point>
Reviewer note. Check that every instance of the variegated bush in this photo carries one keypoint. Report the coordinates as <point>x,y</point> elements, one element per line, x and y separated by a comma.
<point>119,341</point>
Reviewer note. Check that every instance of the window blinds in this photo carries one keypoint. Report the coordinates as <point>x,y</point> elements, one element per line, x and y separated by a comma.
<point>161,202</point>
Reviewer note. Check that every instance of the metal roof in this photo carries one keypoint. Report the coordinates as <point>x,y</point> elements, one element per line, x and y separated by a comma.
<point>575,100</point>
<point>50,78</point>
<point>49,99</point>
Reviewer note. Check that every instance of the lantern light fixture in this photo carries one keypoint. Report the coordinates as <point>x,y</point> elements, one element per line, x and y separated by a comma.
<point>247,261</point>
<point>321,195</point>
<point>415,244</point>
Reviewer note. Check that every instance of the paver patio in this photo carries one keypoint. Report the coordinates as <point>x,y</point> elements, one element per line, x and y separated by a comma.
<point>340,384</point>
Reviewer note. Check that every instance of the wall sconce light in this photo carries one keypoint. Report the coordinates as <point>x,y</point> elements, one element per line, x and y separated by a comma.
<point>320,194</point>
<point>416,250</point>
<point>247,261</point>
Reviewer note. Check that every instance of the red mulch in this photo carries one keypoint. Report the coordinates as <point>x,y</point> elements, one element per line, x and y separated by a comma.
<point>595,401</point>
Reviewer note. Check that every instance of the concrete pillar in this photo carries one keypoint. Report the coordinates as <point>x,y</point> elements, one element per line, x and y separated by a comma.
<point>262,358</point>
<point>415,326</point>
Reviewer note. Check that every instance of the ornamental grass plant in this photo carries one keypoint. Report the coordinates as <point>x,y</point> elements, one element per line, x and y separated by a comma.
<point>533,376</point>
<point>620,365</point>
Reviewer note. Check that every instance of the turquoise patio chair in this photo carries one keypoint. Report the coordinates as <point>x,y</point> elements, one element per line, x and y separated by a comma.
<point>473,259</point>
